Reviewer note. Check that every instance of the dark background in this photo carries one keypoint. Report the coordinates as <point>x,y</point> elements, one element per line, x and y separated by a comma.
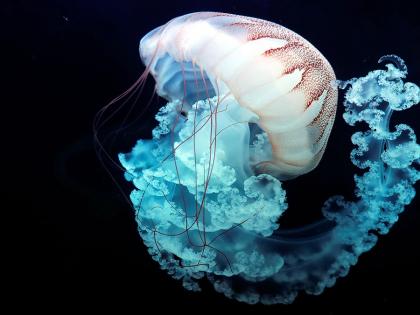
<point>73,237</point>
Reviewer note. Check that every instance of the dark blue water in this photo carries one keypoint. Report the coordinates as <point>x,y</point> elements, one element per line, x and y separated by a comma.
<point>74,236</point>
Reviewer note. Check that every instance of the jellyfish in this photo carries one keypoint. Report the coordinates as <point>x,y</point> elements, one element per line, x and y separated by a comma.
<point>251,104</point>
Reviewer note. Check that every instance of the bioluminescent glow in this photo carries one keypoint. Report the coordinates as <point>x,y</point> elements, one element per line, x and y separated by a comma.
<point>250,104</point>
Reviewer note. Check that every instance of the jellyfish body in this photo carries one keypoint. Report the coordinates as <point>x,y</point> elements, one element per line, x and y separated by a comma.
<point>251,103</point>
<point>279,80</point>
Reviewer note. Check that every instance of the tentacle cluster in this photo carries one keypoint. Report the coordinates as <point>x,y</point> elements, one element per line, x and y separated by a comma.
<point>202,212</point>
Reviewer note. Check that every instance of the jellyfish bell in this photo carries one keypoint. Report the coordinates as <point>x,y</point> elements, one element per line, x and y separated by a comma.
<point>266,74</point>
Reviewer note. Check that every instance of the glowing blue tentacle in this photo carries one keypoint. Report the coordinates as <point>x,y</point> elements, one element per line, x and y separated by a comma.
<point>221,225</point>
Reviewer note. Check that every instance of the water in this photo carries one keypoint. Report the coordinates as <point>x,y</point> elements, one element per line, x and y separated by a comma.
<point>75,236</point>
